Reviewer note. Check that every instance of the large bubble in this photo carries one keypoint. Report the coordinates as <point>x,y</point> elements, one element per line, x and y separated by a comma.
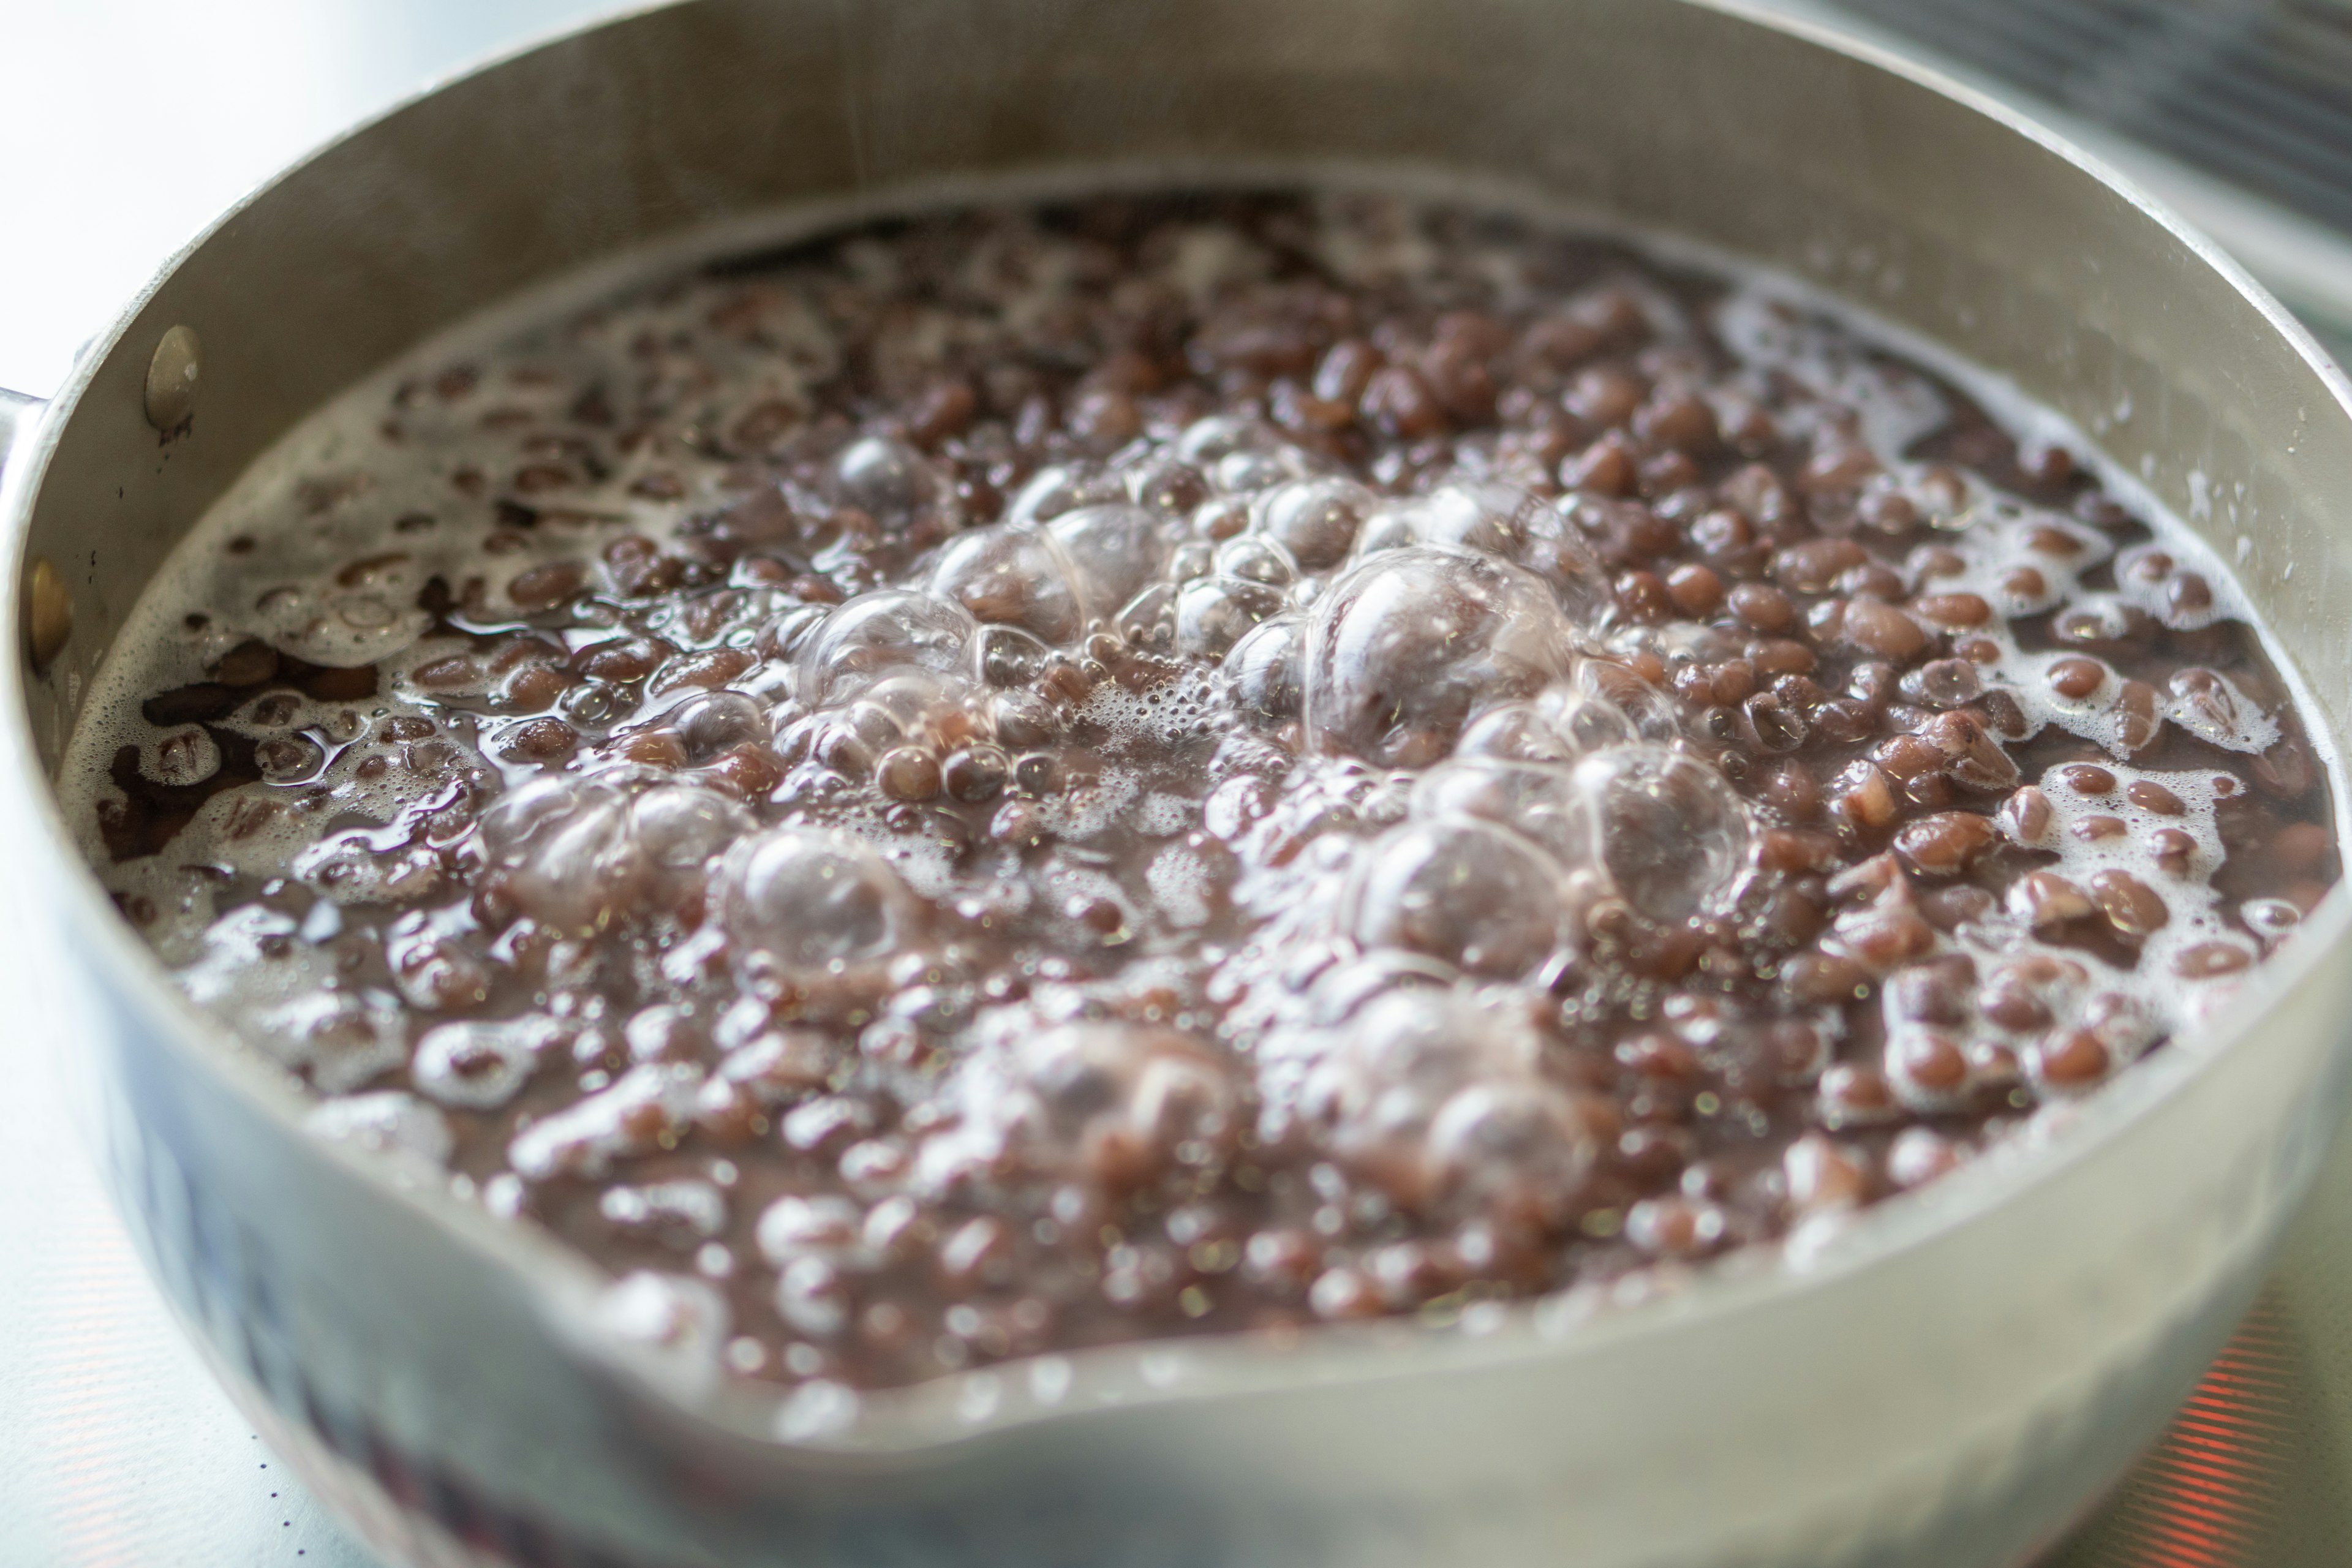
<point>566,852</point>
<point>1214,614</point>
<point>1470,892</point>
<point>1538,800</point>
<point>1209,441</point>
<point>802,903</point>
<point>714,722</point>
<point>1504,521</point>
<point>1603,704</point>
<point>1407,648</point>
<point>1668,832</point>
<point>1606,704</point>
<point>1518,1152</point>
<point>1113,552</point>
<point>1014,575</point>
<point>1481,516</point>
<point>681,828</point>
<point>886,477</point>
<point>1051,491</point>
<point>1262,668</point>
<point>914,706</point>
<point>1316,521</point>
<point>1519,733</point>
<point>876,634</point>
<point>1549,544</point>
<point>1255,560</point>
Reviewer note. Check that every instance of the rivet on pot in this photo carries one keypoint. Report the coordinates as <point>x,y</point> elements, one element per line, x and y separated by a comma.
<point>48,612</point>
<point>172,379</point>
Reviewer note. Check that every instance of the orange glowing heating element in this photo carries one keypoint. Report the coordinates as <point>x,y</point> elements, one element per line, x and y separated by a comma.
<point>2202,1497</point>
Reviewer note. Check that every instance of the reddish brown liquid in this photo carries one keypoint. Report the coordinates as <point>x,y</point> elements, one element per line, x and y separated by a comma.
<point>1419,763</point>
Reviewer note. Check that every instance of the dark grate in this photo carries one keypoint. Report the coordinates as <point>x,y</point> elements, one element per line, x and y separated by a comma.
<point>2256,92</point>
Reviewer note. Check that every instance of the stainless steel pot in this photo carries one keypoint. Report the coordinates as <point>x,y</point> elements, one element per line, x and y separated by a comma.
<point>1947,1383</point>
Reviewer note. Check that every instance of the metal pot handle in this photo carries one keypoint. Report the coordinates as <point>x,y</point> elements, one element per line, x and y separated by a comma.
<point>17,411</point>
<point>47,604</point>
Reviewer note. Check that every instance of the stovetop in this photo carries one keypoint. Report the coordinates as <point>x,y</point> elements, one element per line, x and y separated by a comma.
<point>116,1450</point>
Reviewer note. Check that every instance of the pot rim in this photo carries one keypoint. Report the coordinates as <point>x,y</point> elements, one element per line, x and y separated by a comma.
<point>917,1423</point>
